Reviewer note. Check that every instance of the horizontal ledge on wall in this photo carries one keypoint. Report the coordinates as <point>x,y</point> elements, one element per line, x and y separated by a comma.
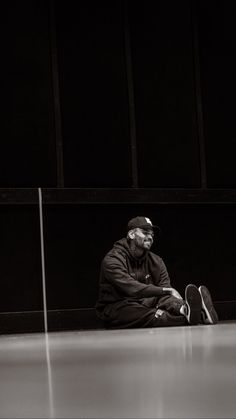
<point>77,196</point>
<point>137,195</point>
<point>19,196</point>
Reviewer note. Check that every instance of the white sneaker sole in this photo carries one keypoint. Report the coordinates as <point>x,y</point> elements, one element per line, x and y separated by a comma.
<point>209,311</point>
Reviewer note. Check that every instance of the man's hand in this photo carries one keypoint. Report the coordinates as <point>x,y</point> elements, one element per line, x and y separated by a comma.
<point>173,292</point>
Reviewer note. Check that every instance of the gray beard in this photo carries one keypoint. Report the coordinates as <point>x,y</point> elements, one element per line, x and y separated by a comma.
<point>135,250</point>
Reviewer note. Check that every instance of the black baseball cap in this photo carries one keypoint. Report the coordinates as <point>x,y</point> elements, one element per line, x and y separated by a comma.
<point>141,222</point>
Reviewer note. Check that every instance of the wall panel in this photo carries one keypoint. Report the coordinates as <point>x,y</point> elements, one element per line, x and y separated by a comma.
<point>162,55</point>
<point>21,278</point>
<point>27,153</point>
<point>93,94</point>
<point>217,32</point>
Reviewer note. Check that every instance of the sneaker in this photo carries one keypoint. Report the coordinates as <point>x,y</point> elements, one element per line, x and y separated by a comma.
<point>210,315</point>
<point>194,304</point>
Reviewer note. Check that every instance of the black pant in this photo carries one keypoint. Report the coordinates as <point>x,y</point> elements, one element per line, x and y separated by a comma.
<point>134,314</point>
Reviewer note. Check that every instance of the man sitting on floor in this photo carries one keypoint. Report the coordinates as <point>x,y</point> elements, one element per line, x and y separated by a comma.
<point>135,289</point>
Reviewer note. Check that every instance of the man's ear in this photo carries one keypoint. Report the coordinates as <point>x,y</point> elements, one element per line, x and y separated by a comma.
<point>131,234</point>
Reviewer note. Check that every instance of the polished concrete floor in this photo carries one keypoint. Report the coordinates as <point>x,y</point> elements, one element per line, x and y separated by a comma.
<point>182,372</point>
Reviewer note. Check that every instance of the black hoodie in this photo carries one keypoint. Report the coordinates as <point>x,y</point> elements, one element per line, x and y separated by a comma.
<point>124,277</point>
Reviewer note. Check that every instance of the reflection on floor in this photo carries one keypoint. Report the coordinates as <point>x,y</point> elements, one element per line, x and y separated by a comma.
<point>182,372</point>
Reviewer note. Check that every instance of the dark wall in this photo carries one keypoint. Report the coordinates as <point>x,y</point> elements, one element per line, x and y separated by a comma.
<point>217,48</point>
<point>94,101</point>
<point>27,156</point>
<point>21,280</point>
<point>115,95</point>
<point>163,71</point>
<point>108,84</point>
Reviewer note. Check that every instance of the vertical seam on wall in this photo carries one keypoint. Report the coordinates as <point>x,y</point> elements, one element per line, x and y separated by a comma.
<point>130,87</point>
<point>198,96</point>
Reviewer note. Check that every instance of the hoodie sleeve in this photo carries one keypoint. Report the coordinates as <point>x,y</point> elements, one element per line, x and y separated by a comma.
<point>164,279</point>
<point>116,273</point>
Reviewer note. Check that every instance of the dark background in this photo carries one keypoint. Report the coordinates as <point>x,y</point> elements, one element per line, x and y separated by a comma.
<point>115,109</point>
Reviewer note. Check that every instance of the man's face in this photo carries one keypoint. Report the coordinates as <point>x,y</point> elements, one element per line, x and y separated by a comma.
<point>143,239</point>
